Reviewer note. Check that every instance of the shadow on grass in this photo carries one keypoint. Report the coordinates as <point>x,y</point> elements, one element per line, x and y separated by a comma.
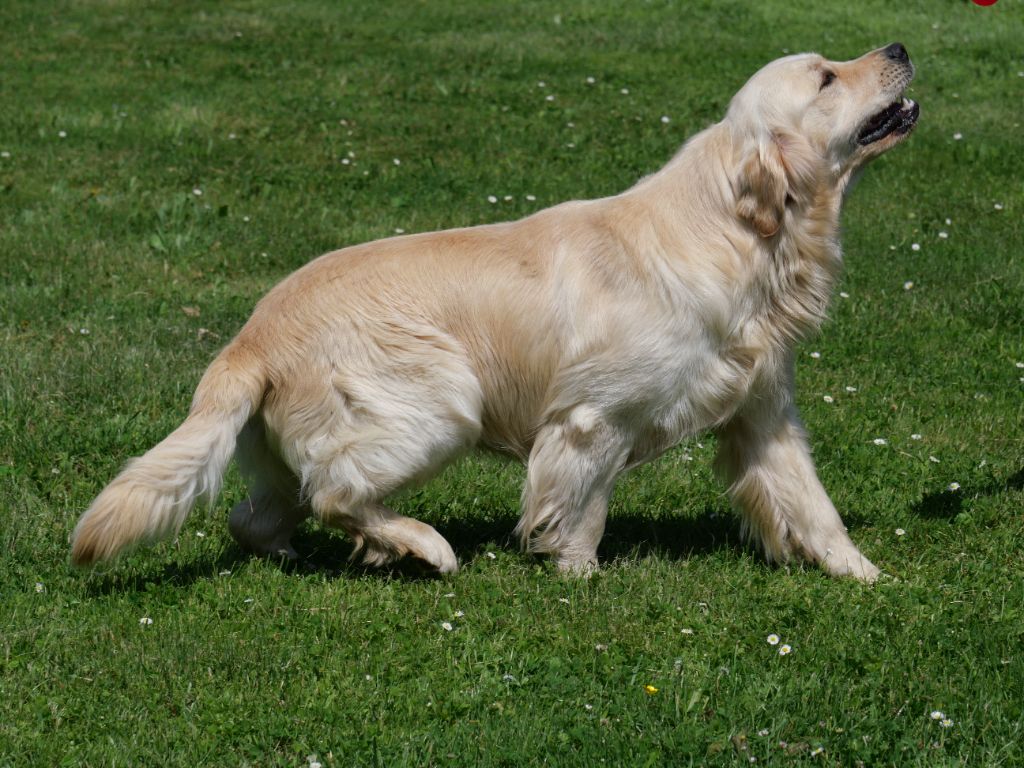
<point>947,504</point>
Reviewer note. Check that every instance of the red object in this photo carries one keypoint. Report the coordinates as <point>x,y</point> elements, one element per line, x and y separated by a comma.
<point>985,2</point>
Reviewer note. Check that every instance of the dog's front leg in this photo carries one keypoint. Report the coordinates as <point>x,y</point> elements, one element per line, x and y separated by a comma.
<point>570,476</point>
<point>764,456</point>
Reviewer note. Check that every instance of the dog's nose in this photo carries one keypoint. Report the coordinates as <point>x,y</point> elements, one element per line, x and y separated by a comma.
<point>897,52</point>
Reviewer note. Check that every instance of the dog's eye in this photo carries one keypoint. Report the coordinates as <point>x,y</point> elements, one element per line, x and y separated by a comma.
<point>826,79</point>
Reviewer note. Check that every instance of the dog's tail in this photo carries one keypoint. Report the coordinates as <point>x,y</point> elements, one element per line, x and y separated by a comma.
<point>154,493</point>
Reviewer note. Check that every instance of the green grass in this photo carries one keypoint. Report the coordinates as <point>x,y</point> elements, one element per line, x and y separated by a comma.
<point>119,284</point>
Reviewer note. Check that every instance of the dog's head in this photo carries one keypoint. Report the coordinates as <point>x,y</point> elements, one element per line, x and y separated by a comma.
<point>804,121</point>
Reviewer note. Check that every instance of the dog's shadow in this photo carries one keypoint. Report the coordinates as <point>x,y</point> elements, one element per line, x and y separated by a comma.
<point>947,503</point>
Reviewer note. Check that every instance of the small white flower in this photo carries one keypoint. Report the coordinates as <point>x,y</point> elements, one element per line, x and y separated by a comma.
<point>549,97</point>
<point>915,246</point>
<point>446,626</point>
<point>5,154</point>
<point>399,231</point>
<point>666,119</point>
<point>224,573</point>
<point>570,124</point>
<point>828,399</point>
<point>686,631</point>
<point>763,732</point>
<point>62,134</point>
<point>785,649</point>
<point>591,81</point>
<point>564,600</point>
<point>910,283</point>
<point>507,198</point>
<point>531,198</point>
<point>232,136</point>
<point>624,91</point>
<point>200,535</point>
<point>817,751</point>
<point>197,192</point>
<point>84,331</point>
<point>880,441</point>
<point>450,594</point>
<point>345,161</point>
<point>943,235</point>
<point>953,487</point>
<point>1019,365</point>
<point>957,136</point>
<point>600,647</point>
<point>315,764</point>
<point>246,219</point>
<point>915,436</point>
<point>900,532</point>
<point>248,600</point>
<point>492,199</point>
<point>542,84</point>
<point>816,355</point>
<point>933,460</point>
<point>508,678</point>
<point>851,389</point>
<point>39,586</point>
<point>998,206</point>
<point>946,722</point>
<point>145,621</point>
<point>844,294</point>
<point>937,715</point>
<point>491,556</point>
<point>396,161</point>
<point>949,222</point>
<point>773,639</point>
<point>571,145</point>
<point>459,614</point>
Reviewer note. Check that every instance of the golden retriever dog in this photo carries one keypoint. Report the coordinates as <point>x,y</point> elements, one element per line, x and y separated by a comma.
<point>585,339</point>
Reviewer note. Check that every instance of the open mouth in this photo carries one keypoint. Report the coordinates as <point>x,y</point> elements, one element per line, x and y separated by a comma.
<point>899,117</point>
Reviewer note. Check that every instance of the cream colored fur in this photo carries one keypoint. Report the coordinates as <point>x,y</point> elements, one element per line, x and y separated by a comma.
<point>585,339</point>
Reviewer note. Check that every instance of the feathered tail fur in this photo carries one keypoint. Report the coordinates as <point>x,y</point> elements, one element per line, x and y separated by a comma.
<point>154,493</point>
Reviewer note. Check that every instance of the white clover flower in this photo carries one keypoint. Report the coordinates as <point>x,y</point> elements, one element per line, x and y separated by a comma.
<point>447,626</point>
<point>785,649</point>
<point>880,441</point>
<point>899,532</point>
<point>773,639</point>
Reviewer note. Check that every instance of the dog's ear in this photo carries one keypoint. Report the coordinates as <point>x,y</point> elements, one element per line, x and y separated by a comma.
<point>780,168</point>
<point>762,187</point>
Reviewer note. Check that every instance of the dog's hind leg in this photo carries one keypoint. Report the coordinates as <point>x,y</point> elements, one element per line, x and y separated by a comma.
<point>264,522</point>
<point>570,476</point>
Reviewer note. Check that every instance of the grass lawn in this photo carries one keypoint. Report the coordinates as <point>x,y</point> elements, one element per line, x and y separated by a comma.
<point>163,164</point>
